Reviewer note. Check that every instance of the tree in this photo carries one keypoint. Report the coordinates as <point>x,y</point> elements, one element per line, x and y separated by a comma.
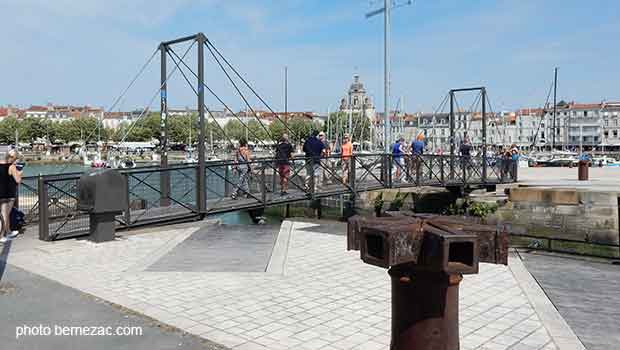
<point>234,129</point>
<point>256,131</point>
<point>7,130</point>
<point>301,128</point>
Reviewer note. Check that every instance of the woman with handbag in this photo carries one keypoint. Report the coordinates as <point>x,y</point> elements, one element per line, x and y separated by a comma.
<point>10,177</point>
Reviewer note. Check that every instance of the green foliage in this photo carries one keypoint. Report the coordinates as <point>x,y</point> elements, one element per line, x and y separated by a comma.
<point>398,201</point>
<point>378,202</point>
<point>7,130</point>
<point>481,209</point>
<point>468,207</point>
<point>299,127</point>
<point>31,129</point>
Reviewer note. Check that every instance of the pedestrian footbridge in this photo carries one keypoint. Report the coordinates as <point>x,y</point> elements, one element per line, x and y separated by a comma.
<point>157,195</point>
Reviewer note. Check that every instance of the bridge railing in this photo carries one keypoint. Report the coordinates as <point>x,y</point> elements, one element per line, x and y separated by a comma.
<point>51,200</point>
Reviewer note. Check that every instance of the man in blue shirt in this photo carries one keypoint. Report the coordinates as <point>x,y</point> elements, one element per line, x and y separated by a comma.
<point>397,155</point>
<point>417,146</point>
<point>417,149</point>
<point>313,148</point>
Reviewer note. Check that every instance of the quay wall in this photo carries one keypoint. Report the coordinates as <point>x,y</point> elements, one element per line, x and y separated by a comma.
<point>579,214</point>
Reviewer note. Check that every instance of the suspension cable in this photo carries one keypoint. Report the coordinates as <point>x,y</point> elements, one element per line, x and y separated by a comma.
<point>542,117</point>
<point>496,127</point>
<point>204,105</point>
<point>440,109</point>
<point>240,94</point>
<point>208,42</point>
<point>116,101</point>
<point>221,101</point>
<point>157,92</point>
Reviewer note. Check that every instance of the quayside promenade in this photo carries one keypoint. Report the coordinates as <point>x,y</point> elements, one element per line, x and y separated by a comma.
<point>286,286</point>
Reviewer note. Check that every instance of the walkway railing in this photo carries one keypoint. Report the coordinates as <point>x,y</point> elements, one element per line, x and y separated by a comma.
<point>51,200</point>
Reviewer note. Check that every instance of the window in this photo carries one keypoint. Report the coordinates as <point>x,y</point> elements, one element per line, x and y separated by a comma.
<point>585,113</point>
<point>615,133</point>
<point>355,101</point>
<point>606,134</point>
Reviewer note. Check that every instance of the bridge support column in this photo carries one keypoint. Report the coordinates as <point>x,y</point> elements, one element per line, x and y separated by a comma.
<point>202,181</point>
<point>164,176</point>
<point>484,135</point>
<point>452,137</point>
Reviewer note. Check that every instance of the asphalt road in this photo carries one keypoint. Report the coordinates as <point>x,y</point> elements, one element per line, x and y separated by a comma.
<point>28,300</point>
<point>586,293</point>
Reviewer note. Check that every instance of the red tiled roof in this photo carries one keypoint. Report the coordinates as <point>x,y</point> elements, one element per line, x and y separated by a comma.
<point>585,105</point>
<point>37,109</point>
<point>4,112</point>
<point>530,111</point>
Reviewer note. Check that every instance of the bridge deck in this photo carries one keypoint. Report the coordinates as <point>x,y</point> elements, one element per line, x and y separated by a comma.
<point>150,201</point>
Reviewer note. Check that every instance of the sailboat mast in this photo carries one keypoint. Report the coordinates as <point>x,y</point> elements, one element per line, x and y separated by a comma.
<point>555,90</point>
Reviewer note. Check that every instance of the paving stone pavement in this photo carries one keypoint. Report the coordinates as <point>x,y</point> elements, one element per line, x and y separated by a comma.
<point>326,297</point>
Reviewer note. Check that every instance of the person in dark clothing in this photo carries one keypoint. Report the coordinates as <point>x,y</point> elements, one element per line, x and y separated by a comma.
<point>10,177</point>
<point>313,148</point>
<point>284,150</point>
<point>417,149</point>
<point>465,151</point>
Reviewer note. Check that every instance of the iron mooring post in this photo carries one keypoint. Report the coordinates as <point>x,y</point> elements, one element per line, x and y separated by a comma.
<point>425,309</point>
<point>426,257</point>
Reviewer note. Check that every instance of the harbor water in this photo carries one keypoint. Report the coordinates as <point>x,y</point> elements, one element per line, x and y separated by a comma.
<point>239,217</point>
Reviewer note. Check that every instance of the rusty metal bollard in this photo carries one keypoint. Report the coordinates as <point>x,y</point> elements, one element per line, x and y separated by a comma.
<point>426,257</point>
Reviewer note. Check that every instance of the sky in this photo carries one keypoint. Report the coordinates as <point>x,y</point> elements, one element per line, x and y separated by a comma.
<point>88,51</point>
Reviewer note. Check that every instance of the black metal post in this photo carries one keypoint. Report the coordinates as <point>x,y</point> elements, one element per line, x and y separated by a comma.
<point>263,184</point>
<point>202,190</point>
<point>352,173</point>
<point>452,138</point>
<point>484,135</point>
<point>43,210</point>
<point>227,176</point>
<point>128,197</point>
<point>164,176</point>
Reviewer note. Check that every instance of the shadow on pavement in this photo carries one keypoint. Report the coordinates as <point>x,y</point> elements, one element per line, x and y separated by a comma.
<point>4,257</point>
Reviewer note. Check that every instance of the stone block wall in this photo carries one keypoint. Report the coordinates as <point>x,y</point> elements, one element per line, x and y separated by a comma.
<point>564,213</point>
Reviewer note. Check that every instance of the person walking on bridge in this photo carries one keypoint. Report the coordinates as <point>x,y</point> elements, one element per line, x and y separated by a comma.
<point>244,169</point>
<point>398,151</point>
<point>313,148</point>
<point>284,150</point>
<point>465,151</point>
<point>327,152</point>
<point>10,177</point>
<point>346,153</point>
<point>417,150</point>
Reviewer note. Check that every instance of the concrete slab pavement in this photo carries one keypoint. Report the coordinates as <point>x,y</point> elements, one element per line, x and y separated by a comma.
<point>314,295</point>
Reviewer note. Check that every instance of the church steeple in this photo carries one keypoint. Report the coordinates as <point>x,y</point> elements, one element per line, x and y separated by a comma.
<point>356,99</point>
